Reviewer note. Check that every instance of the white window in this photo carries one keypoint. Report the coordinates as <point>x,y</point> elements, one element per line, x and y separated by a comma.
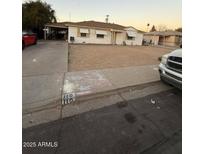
<point>84,32</point>
<point>130,38</point>
<point>83,35</point>
<point>101,33</point>
<point>131,35</point>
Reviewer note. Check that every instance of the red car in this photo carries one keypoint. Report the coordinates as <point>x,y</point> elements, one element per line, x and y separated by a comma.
<point>28,38</point>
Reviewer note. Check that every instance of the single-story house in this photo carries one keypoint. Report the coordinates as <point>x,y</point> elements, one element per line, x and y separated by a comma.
<point>93,32</point>
<point>166,38</point>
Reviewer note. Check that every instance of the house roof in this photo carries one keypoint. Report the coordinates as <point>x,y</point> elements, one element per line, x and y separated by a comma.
<point>139,31</point>
<point>91,23</point>
<point>98,25</point>
<point>165,33</point>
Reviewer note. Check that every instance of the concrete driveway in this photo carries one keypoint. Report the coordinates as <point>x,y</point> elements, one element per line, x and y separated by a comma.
<point>43,67</point>
<point>47,57</point>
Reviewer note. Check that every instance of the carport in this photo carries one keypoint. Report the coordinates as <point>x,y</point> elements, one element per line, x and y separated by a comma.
<point>55,31</point>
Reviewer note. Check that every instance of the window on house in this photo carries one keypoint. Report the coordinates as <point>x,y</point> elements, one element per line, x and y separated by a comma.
<point>130,38</point>
<point>131,35</point>
<point>83,34</point>
<point>100,36</point>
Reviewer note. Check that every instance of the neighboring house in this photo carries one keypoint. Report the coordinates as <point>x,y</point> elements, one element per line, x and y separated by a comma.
<point>93,32</point>
<point>167,38</point>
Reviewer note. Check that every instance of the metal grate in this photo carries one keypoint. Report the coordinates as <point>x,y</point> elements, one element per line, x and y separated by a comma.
<point>175,63</point>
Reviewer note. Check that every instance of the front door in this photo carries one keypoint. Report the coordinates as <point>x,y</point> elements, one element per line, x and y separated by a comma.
<point>113,38</point>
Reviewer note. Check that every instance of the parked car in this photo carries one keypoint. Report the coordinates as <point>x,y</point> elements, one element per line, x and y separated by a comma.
<point>28,38</point>
<point>170,68</point>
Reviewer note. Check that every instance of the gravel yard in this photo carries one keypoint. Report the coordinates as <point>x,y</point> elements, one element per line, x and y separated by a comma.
<point>88,57</point>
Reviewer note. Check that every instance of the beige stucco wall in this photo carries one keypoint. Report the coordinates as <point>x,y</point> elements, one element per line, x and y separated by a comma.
<point>170,41</point>
<point>163,40</point>
<point>73,31</point>
<point>119,37</point>
<point>138,39</point>
<point>154,39</point>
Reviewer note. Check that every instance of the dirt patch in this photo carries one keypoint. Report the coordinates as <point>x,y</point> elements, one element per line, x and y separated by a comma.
<point>88,57</point>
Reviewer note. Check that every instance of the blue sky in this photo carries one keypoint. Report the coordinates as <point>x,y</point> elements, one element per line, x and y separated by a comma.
<point>135,13</point>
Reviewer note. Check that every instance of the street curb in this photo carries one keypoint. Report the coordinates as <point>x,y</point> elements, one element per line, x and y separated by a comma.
<point>92,102</point>
<point>126,93</point>
<point>114,91</point>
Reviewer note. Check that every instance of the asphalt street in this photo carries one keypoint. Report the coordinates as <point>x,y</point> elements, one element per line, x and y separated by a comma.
<point>148,125</point>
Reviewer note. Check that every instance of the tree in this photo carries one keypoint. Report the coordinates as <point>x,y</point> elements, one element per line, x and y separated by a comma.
<point>178,29</point>
<point>153,29</point>
<point>35,15</point>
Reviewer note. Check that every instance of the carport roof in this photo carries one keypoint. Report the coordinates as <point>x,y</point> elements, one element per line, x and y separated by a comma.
<point>59,24</point>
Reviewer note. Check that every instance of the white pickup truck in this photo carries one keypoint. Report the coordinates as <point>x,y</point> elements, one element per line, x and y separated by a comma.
<point>170,68</point>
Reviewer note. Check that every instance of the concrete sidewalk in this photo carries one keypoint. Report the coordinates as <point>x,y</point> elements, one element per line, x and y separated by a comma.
<point>96,81</point>
<point>42,95</point>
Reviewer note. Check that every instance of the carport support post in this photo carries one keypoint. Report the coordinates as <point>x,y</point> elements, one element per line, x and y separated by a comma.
<point>112,37</point>
<point>45,33</point>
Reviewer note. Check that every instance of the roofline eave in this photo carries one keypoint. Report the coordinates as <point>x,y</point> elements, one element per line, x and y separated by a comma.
<point>94,27</point>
